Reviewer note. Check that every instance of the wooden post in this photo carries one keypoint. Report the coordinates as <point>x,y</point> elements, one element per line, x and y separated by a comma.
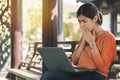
<point>50,24</point>
<point>16,24</point>
<point>50,20</point>
<point>60,21</point>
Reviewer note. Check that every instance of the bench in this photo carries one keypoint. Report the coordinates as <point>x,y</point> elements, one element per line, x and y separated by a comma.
<point>28,69</point>
<point>68,46</point>
<point>33,57</point>
<point>22,74</point>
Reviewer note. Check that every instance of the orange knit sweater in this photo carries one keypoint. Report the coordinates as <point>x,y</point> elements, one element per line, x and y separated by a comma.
<point>106,45</point>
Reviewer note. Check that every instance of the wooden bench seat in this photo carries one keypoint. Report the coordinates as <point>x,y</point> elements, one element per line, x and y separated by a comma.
<point>30,67</point>
<point>33,63</point>
<point>22,74</point>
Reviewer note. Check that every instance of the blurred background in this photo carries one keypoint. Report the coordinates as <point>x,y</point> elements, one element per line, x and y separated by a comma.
<point>21,23</point>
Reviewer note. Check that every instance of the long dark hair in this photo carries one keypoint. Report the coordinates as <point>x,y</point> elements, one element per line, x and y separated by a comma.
<point>90,10</point>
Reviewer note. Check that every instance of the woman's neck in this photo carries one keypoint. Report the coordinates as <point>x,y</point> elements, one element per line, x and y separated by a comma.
<point>98,30</point>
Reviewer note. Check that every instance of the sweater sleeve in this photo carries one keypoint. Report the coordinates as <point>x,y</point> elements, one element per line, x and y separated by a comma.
<point>107,54</point>
<point>74,59</point>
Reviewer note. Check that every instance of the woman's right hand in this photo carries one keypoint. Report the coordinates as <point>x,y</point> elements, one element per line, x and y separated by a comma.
<point>80,46</point>
<point>77,53</point>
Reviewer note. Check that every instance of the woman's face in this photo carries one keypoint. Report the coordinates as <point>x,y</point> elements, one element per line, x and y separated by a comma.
<point>86,22</point>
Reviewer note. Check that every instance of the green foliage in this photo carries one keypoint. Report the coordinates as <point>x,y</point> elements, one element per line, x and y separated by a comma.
<point>33,24</point>
<point>35,17</point>
<point>71,29</point>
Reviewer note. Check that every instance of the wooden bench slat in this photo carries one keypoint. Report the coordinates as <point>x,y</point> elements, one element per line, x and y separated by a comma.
<point>26,74</point>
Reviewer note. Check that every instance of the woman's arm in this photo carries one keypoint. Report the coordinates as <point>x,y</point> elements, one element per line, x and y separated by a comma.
<point>104,58</point>
<point>76,54</point>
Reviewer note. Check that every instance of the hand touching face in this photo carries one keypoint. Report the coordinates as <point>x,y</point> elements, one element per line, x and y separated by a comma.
<point>88,36</point>
<point>87,26</point>
<point>85,22</point>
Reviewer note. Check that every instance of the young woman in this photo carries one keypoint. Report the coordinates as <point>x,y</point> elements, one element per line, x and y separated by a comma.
<point>96,48</point>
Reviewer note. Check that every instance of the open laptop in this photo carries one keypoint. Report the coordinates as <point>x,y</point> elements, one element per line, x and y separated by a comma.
<point>56,59</point>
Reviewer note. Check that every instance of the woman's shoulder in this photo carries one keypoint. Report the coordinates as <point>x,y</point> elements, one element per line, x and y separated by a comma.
<point>105,35</point>
<point>108,35</point>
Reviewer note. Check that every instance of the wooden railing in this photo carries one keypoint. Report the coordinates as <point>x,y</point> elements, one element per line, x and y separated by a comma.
<point>33,58</point>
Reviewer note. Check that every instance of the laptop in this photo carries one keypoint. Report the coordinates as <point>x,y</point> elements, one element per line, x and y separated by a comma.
<point>56,59</point>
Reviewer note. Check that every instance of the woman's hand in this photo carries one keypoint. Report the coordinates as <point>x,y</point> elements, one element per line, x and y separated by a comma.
<point>88,36</point>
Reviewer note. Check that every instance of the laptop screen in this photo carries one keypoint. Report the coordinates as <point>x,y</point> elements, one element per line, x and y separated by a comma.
<point>55,59</point>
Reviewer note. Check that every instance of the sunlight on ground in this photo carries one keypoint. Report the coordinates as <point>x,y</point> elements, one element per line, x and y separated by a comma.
<point>4,79</point>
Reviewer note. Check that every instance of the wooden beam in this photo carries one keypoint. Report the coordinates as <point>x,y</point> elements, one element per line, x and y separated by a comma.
<point>50,24</point>
<point>16,32</point>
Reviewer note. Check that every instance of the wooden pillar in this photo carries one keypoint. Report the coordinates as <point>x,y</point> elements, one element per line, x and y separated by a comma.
<point>50,20</point>
<point>111,18</point>
<point>50,24</point>
<point>16,23</point>
<point>60,21</point>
